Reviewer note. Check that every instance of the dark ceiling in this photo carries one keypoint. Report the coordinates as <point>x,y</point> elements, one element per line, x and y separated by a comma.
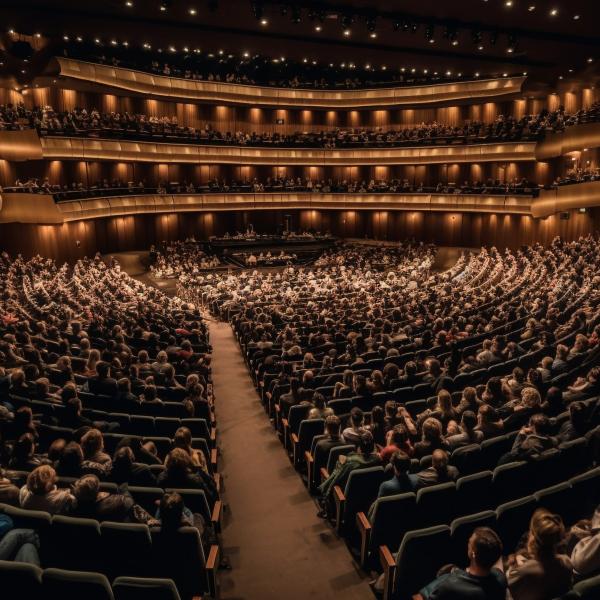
<point>546,39</point>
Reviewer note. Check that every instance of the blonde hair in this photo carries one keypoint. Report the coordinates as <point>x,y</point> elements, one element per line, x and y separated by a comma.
<point>41,480</point>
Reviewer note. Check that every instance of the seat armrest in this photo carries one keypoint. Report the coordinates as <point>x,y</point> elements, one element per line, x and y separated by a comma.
<point>213,436</point>
<point>340,502</point>
<point>309,469</point>
<point>217,513</point>
<point>364,528</point>
<point>212,566</point>
<point>214,456</point>
<point>324,474</point>
<point>388,565</point>
<point>217,478</point>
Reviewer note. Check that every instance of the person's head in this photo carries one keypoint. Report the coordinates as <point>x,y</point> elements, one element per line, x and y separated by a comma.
<point>56,449</point>
<point>398,436</point>
<point>366,443</point>
<point>178,462</point>
<point>377,415</point>
<point>68,392</point>
<point>546,532</point>
<point>410,368</point>
<point>73,407</point>
<point>42,386</point>
<point>92,443</point>
<point>123,459</point>
<point>333,425</point>
<point>183,438</point>
<point>540,424</point>
<point>357,417</point>
<point>103,369</point>
<point>470,395</point>
<point>530,397</point>
<point>562,352</point>
<point>24,447</point>
<point>124,385</point>
<point>554,397</point>
<point>547,362</point>
<point>86,489</point>
<point>400,462</point>
<point>484,548</point>
<point>444,401</point>
<point>318,400</point>
<point>432,430</point>
<point>71,458</point>
<point>439,460</point>
<point>468,420</point>
<point>41,480</point>
<point>171,511</point>
<point>150,393</point>
<point>487,414</point>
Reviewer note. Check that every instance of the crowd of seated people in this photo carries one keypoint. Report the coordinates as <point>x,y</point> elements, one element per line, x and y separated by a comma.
<point>117,187</point>
<point>171,259</point>
<point>93,123</point>
<point>84,352</point>
<point>409,367</point>
<point>273,72</point>
<point>578,175</point>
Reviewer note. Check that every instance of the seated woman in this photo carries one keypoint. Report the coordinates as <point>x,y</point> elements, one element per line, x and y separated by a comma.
<point>538,571</point>
<point>40,492</point>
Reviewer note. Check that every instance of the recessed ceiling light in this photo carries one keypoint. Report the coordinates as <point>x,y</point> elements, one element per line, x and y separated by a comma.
<point>367,66</point>
<point>318,28</point>
<point>11,31</point>
<point>508,3</point>
<point>504,74</point>
<point>476,74</point>
<point>576,17</point>
<point>455,42</point>
<point>66,38</point>
<point>97,40</point>
<point>79,38</point>
<point>384,67</point>
<point>480,47</point>
<point>113,42</point>
<point>128,3</point>
<point>305,60</point>
<point>246,54</point>
<point>373,34</point>
<point>531,8</point>
<point>347,32</point>
<point>432,41</point>
<point>192,11</point>
<point>425,71</point>
<point>220,52</point>
<point>554,12</point>
<point>264,22</point>
<point>38,35</point>
<point>560,76</point>
<point>413,70</point>
<point>590,59</point>
<point>509,50</point>
<point>448,73</point>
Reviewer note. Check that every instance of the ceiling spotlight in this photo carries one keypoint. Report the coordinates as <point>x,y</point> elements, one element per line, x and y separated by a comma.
<point>79,38</point>
<point>192,11</point>
<point>37,35</point>
<point>11,31</point>
<point>554,12</point>
<point>264,22</point>
<point>373,34</point>
<point>576,17</point>
<point>525,73</point>
<point>504,74</point>
<point>246,54</point>
<point>448,73</point>
<point>125,44</point>
<point>113,42</point>
<point>305,60</point>
<point>128,3</point>
<point>476,74</point>
<point>480,47</point>
<point>347,32</point>
<point>455,42</point>
<point>66,38</point>
<point>172,49</point>
<point>318,28</point>
<point>164,5</point>
<point>220,52</point>
<point>590,59</point>
<point>508,3</point>
<point>510,50</point>
<point>531,8</point>
<point>384,67</point>
<point>147,46</point>
<point>432,41</point>
<point>97,40</point>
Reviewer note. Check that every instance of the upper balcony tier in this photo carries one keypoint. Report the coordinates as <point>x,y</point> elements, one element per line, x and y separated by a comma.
<point>86,75</point>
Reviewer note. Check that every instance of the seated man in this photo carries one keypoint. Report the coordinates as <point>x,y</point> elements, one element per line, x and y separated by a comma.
<point>401,482</point>
<point>363,458</point>
<point>586,553</point>
<point>480,580</point>
<point>531,440</point>
<point>439,471</point>
<point>331,440</point>
<point>354,433</point>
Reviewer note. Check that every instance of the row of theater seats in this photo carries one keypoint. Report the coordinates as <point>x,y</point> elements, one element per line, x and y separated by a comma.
<point>33,582</point>
<point>406,572</point>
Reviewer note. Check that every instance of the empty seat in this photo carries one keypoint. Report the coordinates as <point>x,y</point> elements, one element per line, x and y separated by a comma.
<point>24,577</point>
<point>513,520</point>
<point>473,493</point>
<point>467,459</point>
<point>560,500</point>
<point>75,543</point>
<point>508,479</point>
<point>435,504</point>
<point>75,585</point>
<point>140,588</point>
<point>126,548</point>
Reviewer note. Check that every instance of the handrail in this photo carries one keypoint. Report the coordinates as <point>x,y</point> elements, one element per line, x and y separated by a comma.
<point>174,88</point>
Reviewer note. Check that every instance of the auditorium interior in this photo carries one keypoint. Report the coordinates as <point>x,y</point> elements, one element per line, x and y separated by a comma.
<point>300,300</point>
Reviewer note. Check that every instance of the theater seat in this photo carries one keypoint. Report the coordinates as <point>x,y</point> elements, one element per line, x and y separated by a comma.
<point>139,588</point>
<point>513,520</point>
<point>473,493</point>
<point>24,577</point>
<point>461,530</point>
<point>75,585</point>
<point>126,548</point>
<point>588,589</point>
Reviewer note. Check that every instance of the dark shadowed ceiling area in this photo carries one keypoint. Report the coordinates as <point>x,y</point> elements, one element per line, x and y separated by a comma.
<point>550,41</point>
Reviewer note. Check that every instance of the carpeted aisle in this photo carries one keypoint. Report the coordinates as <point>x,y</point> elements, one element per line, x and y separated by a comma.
<point>277,546</point>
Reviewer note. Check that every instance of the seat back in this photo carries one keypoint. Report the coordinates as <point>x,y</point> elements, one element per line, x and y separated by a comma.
<point>361,490</point>
<point>412,571</point>
<point>335,453</point>
<point>435,504</point>
<point>75,543</point>
<point>473,493</point>
<point>142,588</point>
<point>24,577</point>
<point>513,519</point>
<point>75,585</point>
<point>391,517</point>
<point>507,479</point>
<point>126,548</point>
<point>467,459</point>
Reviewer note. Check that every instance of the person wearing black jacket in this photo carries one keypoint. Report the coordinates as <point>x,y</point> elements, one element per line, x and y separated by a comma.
<point>126,470</point>
<point>91,503</point>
